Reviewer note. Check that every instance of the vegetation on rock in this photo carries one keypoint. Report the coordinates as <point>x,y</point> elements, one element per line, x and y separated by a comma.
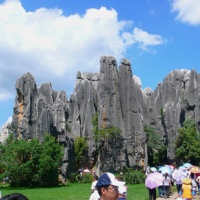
<point>157,151</point>
<point>80,149</point>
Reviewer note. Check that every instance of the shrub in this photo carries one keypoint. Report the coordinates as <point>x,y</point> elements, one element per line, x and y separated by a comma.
<point>74,177</point>
<point>87,178</point>
<point>133,176</point>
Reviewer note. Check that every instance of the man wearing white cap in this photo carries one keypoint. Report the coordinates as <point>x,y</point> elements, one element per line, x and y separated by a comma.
<point>107,186</point>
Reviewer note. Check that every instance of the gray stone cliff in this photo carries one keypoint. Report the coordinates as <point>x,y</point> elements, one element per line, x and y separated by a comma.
<point>113,93</point>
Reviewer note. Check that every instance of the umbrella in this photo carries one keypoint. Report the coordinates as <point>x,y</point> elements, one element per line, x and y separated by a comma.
<point>194,169</point>
<point>153,169</point>
<point>187,165</point>
<point>165,170</point>
<point>169,168</point>
<point>182,168</point>
<point>154,180</point>
<point>187,181</point>
<point>172,167</point>
<point>177,174</point>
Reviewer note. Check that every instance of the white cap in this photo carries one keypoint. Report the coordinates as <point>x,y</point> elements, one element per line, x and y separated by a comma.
<point>122,190</point>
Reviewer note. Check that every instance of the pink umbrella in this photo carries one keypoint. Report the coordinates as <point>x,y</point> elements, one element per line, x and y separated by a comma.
<point>154,180</point>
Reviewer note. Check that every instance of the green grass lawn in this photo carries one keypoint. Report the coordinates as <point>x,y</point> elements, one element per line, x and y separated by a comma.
<point>72,192</point>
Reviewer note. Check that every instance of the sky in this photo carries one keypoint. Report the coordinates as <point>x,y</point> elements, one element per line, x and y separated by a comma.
<point>53,40</point>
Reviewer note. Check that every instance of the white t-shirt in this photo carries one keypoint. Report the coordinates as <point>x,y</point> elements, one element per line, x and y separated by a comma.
<point>94,195</point>
<point>93,185</point>
<point>166,181</point>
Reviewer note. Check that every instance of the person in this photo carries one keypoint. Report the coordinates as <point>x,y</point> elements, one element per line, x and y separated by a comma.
<point>107,186</point>
<point>178,183</point>
<point>194,184</point>
<point>14,196</point>
<point>152,193</point>
<point>94,193</point>
<point>160,189</point>
<point>186,190</point>
<point>171,183</point>
<point>147,171</point>
<point>93,186</point>
<point>166,184</point>
<point>198,182</point>
<point>122,192</point>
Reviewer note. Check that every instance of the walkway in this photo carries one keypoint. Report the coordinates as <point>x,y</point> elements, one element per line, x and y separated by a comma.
<point>174,197</point>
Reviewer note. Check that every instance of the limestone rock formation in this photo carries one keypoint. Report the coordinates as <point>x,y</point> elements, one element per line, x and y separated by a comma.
<point>5,130</point>
<point>40,110</point>
<point>115,94</point>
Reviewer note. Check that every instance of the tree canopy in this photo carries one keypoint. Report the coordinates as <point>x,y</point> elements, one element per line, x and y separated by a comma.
<point>187,144</point>
<point>31,163</point>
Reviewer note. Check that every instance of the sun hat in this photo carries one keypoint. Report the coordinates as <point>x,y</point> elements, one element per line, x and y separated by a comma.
<point>187,181</point>
<point>108,179</point>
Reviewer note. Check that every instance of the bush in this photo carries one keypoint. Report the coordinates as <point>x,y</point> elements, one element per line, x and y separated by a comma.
<point>133,176</point>
<point>87,178</point>
<point>74,177</point>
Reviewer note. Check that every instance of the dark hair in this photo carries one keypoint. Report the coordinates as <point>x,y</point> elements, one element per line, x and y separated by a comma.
<point>192,175</point>
<point>14,196</point>
<point>166,175</point>
<point>99,188</point>
<point>96,177</point>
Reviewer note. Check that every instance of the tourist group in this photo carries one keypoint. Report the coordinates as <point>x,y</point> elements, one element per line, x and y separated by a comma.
<point>186,179</point>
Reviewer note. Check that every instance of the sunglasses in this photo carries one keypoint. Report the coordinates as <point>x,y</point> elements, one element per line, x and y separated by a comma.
<point>113,189</point>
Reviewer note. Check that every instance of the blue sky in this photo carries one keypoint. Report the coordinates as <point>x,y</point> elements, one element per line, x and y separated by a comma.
<point>53,40</point>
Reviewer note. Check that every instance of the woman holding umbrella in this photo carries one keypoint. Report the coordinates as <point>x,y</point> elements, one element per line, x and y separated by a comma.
<point>152,181</point>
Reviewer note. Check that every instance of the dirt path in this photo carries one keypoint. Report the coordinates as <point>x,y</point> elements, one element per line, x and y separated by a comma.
<point>174,197</point>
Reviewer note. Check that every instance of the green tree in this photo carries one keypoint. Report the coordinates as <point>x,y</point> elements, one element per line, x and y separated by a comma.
<point>30,163</point>
<point>50,161</point>
<point>17,161</point>
<point>187,144</point>
<point>157,152</point>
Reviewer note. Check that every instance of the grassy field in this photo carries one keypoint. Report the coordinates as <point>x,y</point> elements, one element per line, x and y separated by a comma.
<point>72,192</point>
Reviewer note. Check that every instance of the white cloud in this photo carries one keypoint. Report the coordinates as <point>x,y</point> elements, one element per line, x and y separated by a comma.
<point>5,95</point>
<point>143,38</point>
<point>188,11</point>
<point>53,47</point>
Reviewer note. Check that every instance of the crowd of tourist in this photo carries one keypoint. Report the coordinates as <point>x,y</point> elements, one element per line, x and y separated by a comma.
<point>186,178</point>
<point>164,179</point>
